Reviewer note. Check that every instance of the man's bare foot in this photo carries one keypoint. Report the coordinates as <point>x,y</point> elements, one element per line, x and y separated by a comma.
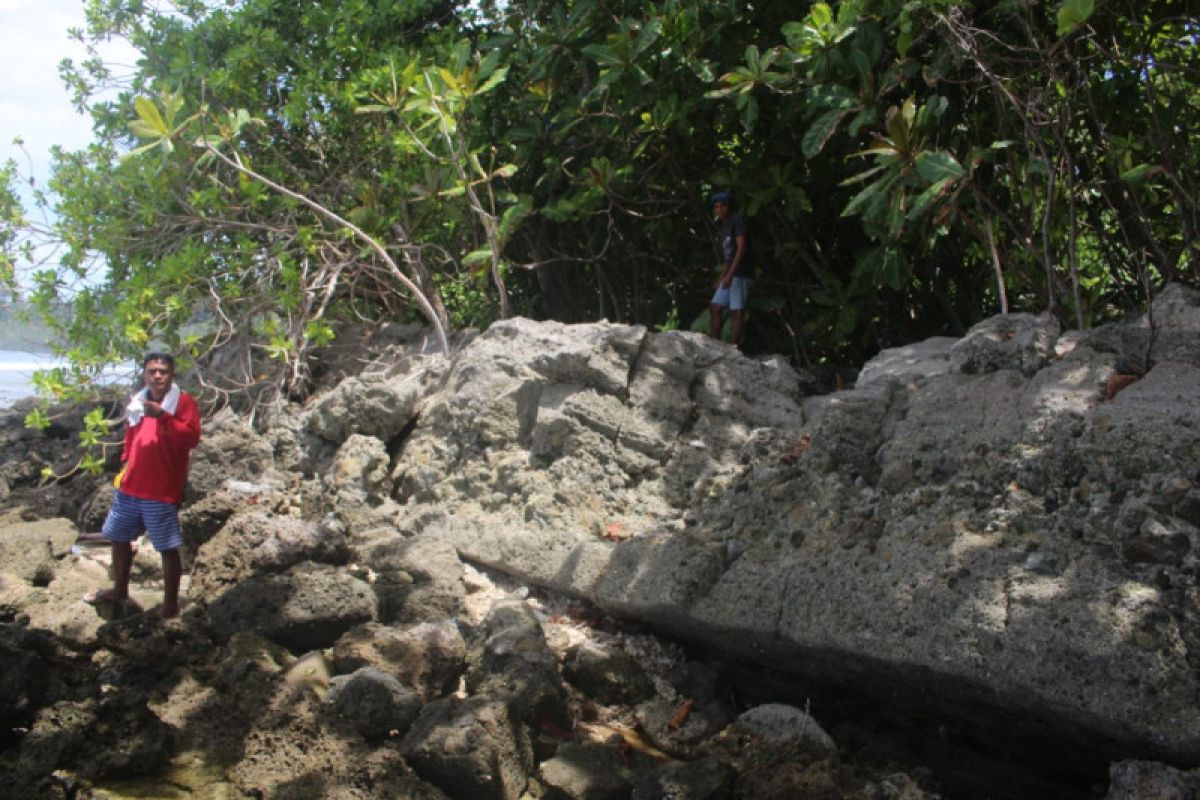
<point>98,597</point>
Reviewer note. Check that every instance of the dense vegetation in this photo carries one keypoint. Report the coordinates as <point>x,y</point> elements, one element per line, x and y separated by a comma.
<point>907,167</point>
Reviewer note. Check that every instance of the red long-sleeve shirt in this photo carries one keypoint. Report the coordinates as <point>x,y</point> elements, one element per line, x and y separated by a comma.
<point>157,451</point>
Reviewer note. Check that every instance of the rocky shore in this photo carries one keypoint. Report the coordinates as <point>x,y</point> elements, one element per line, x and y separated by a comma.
<point>595,561</point>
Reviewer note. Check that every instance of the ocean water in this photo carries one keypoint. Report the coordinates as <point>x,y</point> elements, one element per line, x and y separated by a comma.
<point>16,373</point>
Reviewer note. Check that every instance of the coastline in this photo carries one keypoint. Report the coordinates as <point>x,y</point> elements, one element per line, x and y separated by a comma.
<point>17,367</point>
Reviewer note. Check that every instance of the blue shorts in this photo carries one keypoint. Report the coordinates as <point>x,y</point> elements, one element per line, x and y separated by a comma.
<point>129,516</point>
<point>733,298</point>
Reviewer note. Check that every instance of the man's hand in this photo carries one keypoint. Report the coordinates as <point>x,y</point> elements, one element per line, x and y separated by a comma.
<point>153,409</point>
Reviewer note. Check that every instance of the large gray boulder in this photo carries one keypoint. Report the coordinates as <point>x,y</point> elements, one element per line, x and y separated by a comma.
<point>229,449</point>
<point>551,438</point>
<point>255,544</point>
<point>306,608</point>
<point>978,516</point>
<point>360,405</point>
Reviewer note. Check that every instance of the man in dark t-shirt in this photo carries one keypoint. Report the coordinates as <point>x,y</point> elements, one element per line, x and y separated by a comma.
<point>733,287</point>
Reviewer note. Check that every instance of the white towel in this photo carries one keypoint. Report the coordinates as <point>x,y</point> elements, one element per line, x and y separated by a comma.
<point>137,406</point>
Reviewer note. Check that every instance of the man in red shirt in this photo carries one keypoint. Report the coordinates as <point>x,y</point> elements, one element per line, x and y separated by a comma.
<point>162,425</point>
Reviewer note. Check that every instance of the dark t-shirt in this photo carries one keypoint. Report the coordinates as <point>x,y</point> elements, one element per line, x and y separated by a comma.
<point>734,228</point>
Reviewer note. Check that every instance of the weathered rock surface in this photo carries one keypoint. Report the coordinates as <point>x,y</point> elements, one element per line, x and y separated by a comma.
<point>469,748</point>
<point>305,608</point>
<point>995,537</point>
<point>29,551</point>
<point>374,703</point>
<point>428,657</point>
<point>607,674</point>
<point>981,518</point>
<point>418,579</point>
<point>1142,780</point>
<point>703,779</point>
<point>229,449</point>
<point>255,544</point>
<point>588,772</point>
<point>518,667</point>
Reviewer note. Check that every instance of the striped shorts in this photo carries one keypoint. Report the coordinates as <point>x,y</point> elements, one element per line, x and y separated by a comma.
<point>129,516</point>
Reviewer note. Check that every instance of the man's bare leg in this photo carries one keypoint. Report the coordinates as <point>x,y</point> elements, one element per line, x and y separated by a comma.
<point>172,567</point>
<point>736,332</point>
<point>714,319</point>
<point>122,563</point>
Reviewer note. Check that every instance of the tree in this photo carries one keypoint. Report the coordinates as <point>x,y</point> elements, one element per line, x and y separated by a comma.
<point>907,167</point>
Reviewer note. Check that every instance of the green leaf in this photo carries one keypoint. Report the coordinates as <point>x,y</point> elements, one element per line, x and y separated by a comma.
<point>483,255</point>
<point>821,15</point>
<point>926,198</point>
<point>937,165</point>
<point>148,114</point>
<point>1137,175</point>
<point>1072,14</point>
<point>819,133</point>
<point>144,130</point>
<point>870,194</point>
<point>37,419</point>
<point>319,333</point>
<point>602,54</point>
<point>650,33</point>
<point>494,80</point>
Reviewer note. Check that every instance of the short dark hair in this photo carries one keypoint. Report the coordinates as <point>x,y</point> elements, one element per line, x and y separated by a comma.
<point>167,357</point>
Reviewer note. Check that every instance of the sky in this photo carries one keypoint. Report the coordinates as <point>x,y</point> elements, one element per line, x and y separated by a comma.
<point>34,104</point>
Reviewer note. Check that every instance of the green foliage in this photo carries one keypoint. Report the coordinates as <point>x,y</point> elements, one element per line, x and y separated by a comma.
<point>554,159</point>
<point>1072,14</point>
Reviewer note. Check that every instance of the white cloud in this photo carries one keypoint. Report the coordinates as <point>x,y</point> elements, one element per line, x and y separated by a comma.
<point>34,104</point>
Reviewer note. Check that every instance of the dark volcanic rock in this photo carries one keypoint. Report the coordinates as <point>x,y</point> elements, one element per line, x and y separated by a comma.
<point>374,703</point>
<point>517,666</point>
<point>703,779</point>
<point>429,657</point>
<point>419,580</point>
<point>589,772</point>
<point>606,674</point>
<point>256,544</point>
<point>306,608</point>
<point>469,748</point>
<point>1147,780</point>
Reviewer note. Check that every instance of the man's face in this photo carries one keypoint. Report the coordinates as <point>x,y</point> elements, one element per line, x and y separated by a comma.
<point>721,210</point>
<point>157,375</point>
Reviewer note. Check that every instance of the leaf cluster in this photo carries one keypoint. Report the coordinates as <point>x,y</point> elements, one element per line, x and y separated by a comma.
<point>907,167</point>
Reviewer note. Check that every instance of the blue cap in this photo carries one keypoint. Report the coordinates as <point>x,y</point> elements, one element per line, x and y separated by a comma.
<point>721,197</point>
